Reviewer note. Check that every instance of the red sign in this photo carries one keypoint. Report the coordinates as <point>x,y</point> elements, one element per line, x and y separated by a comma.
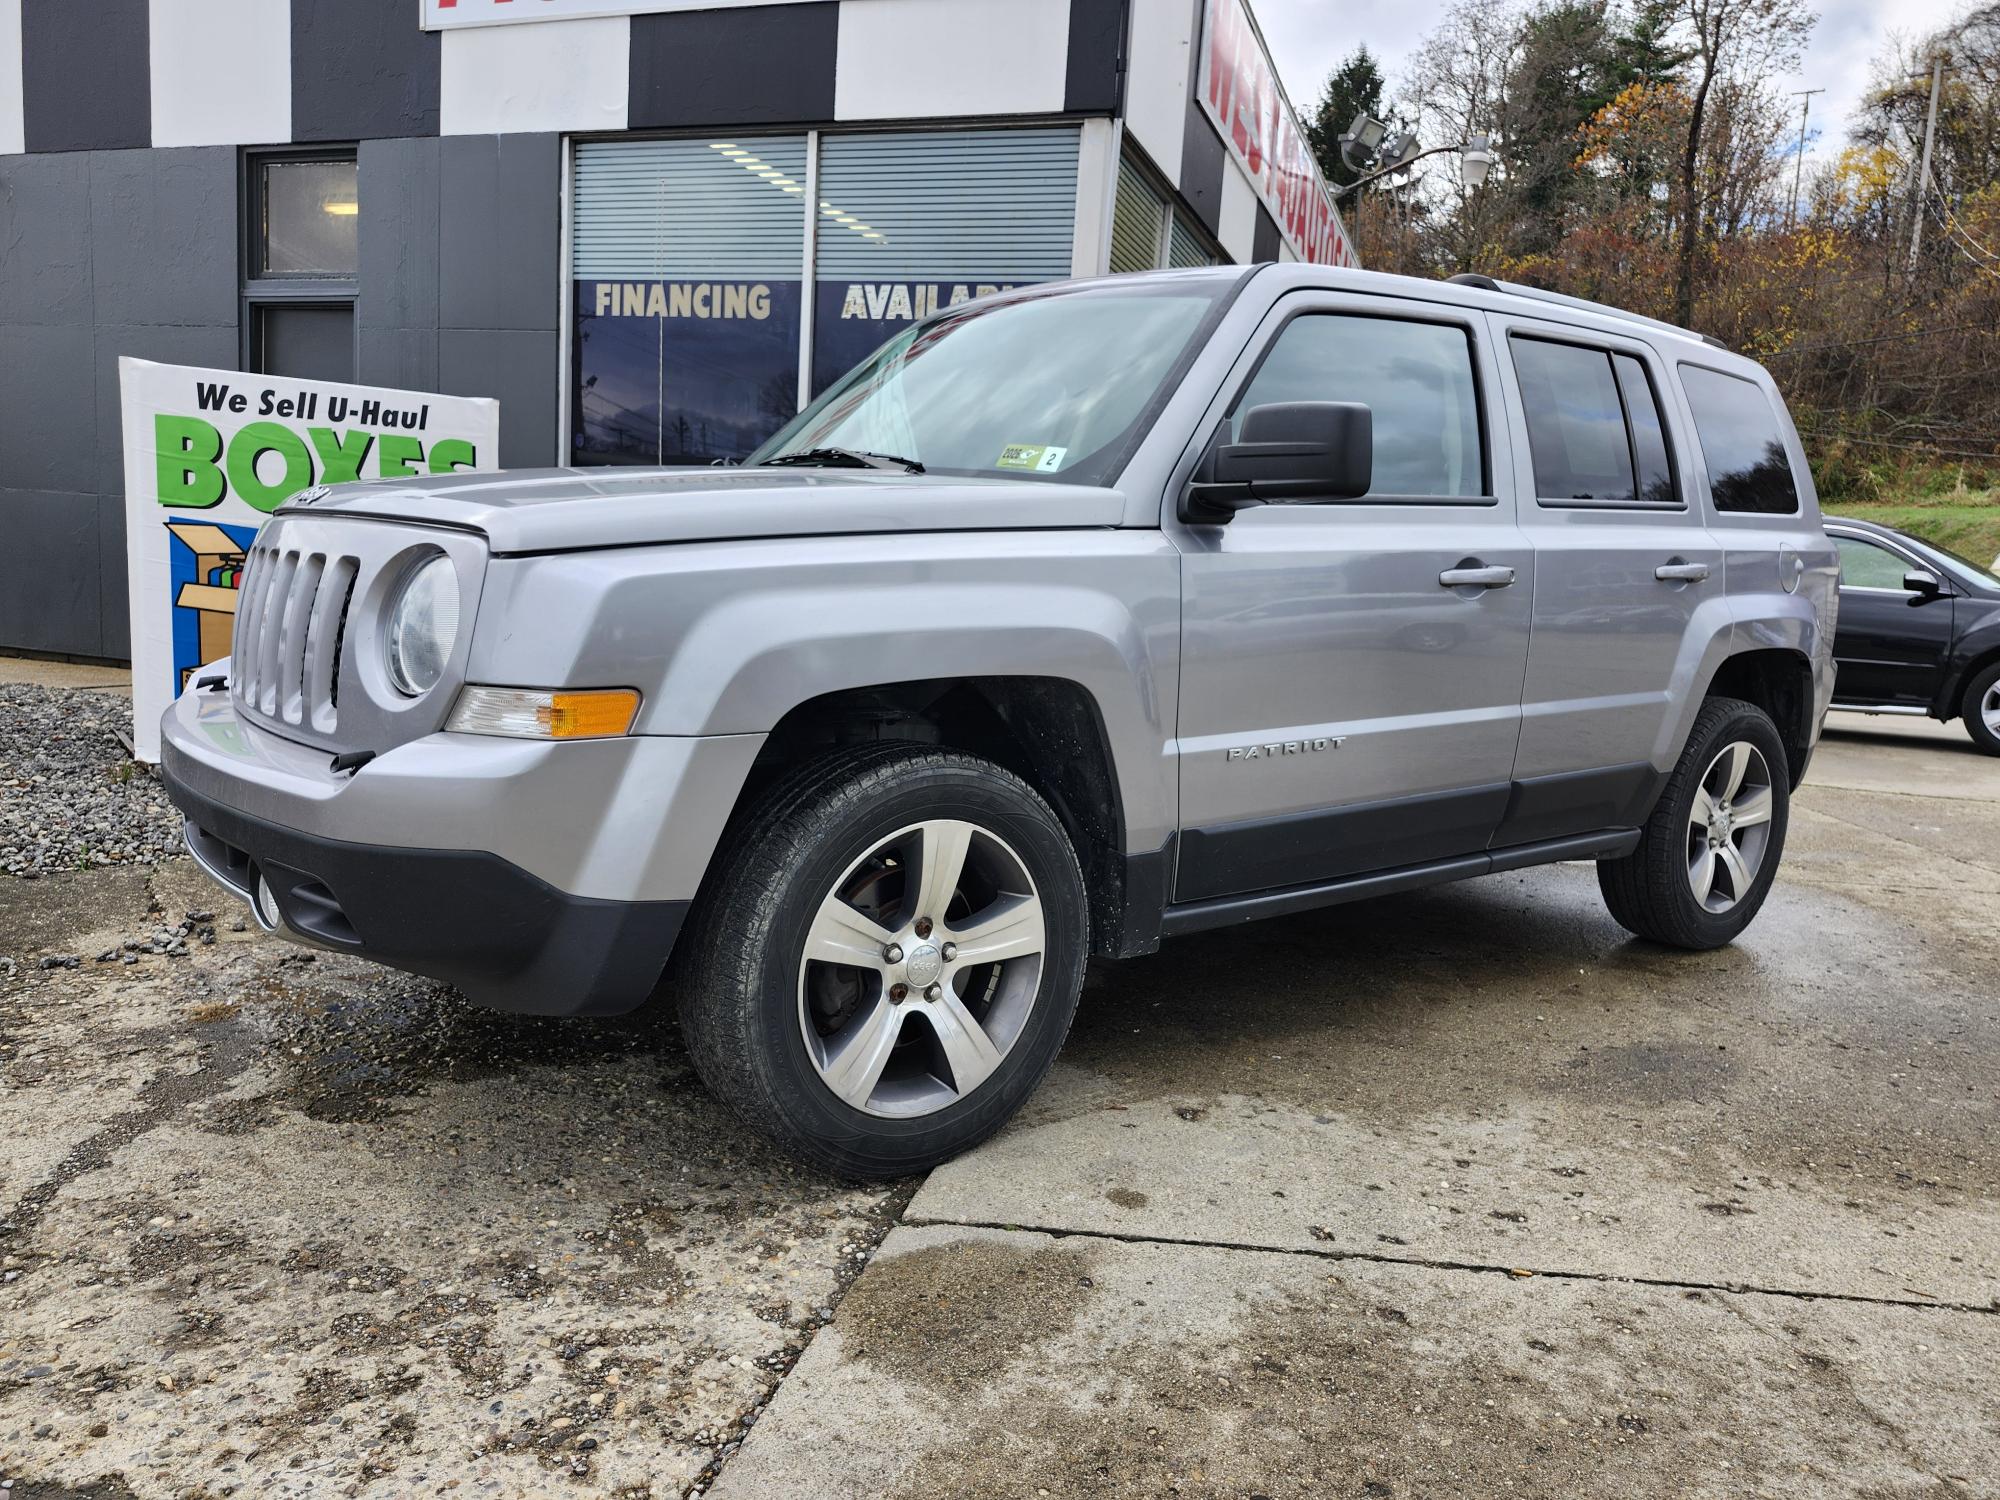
<point>1240,91</point>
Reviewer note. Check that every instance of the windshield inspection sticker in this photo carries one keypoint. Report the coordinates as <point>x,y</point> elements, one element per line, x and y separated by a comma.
<point>1035,459</point>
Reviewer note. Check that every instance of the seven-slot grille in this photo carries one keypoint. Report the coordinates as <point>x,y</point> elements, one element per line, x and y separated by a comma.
<point>291,620</point>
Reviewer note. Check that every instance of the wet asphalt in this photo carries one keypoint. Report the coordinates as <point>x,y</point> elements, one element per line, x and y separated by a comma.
<point>1462,1192</point>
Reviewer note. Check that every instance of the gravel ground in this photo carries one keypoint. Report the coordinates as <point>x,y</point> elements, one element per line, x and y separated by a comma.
<point>73,798</point>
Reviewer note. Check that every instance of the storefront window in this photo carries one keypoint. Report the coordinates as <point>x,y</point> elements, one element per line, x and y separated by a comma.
<point>689,257</point>
<point>913,221</point>
<point>1138,215</point>
<point>688,263</point>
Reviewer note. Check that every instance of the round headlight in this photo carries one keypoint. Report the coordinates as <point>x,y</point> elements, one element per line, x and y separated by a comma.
<point>424,628</point>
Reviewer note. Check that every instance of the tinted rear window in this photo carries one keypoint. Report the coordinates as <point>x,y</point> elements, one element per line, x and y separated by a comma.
<point>1741,442</point>
<point>1594,428</point>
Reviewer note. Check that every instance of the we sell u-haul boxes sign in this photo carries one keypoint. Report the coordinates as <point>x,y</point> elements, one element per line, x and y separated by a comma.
<point>210,453</point>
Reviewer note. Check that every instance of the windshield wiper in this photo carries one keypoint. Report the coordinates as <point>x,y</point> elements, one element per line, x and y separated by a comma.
<point>843,458</point>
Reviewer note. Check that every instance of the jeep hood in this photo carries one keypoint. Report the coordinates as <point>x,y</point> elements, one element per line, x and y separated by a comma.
<point>562,510</point>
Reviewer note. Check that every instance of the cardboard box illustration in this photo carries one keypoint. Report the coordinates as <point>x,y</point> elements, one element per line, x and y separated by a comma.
<point>207,567</point>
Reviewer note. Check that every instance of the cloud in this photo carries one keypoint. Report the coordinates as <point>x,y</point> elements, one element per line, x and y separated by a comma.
<point>1309,38</point>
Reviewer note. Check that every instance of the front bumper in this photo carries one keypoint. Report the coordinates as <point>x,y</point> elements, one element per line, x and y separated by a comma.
<point>550,879</point>
<point>508,940</point>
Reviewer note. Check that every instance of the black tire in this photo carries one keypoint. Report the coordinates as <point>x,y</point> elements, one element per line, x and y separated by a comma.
<point>739,970</point>
<point>1975,722</point>
<point>1649,891</point>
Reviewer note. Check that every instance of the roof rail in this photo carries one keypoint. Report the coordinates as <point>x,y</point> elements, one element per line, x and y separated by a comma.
<point>1487,283</point>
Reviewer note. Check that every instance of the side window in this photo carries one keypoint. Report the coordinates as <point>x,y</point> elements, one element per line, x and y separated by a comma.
<point>1416,377</point>
<point>1741,443</point>
<point>1594,426</point>
<point>1863,565</point>
<point>1649,434</point>
<point>1576,422</point>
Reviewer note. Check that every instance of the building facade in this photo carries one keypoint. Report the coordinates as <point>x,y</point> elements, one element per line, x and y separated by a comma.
<point>651,228</point>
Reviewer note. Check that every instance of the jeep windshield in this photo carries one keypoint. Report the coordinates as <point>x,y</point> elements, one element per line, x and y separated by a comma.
<point>1055,385</point>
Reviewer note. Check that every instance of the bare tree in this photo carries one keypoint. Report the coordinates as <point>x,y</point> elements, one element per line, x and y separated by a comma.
<point>1730,40</point>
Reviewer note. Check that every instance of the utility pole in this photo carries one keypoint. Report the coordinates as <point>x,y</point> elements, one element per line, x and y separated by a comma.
<point>1924,171</point>
<point>1799,162</point>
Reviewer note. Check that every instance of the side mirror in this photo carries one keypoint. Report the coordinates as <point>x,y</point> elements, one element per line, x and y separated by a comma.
<point>1297,451</point>
<point>1923,583</point>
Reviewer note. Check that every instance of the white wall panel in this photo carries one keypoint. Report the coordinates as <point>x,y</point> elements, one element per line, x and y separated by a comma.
<point>1157,83</point>
<point>1096,182</point>
<point>558,75</point>
<point>1238,217</point>
<point>919,59</point>
<point>11,117</point>
<point>221,72</point>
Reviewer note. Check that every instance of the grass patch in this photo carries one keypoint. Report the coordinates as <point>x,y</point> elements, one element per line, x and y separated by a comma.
<point>1970,530</point>
<point>1954,505</point>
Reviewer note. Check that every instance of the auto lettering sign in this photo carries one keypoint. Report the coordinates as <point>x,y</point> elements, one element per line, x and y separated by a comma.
<point>1242,96</point>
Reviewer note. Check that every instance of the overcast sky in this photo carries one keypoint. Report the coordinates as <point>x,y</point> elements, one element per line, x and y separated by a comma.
<point>1309,37</point>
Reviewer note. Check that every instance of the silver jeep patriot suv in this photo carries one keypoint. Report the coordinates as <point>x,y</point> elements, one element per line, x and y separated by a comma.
<point>1074,619</point>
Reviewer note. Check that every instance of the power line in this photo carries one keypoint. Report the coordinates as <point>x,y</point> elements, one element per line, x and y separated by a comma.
<point>1885,339</point>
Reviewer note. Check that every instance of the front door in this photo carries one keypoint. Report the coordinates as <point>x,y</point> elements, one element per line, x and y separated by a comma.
<point>1351,671</point>
<point>1891,644</point>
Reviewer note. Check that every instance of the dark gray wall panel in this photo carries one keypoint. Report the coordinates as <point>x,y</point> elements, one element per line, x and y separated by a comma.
<point>751,65</point>
<point>163,236</point>
<point>399,233</point>
<point>216,348</point>
<point>397,312</point>
<point>1202,154</point>
<point>44,253</point>
<point>500,231</point>
<point>405,358</point>
<point>1095,82</point>
<point>49,595</point>
<point>86,78</point>
<point>518,367</point>
<point>1268,238</point>
<point>114,606</point>
<point>48,410</point>
<point>361,70</point>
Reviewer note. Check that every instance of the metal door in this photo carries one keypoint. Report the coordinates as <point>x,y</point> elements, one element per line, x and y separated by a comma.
<point>1351,671</point>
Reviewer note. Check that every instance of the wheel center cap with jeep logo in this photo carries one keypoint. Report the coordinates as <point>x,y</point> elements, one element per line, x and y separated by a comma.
<point>924,965</point>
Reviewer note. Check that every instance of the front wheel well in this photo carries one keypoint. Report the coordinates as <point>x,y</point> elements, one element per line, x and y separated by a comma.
<point>1046,730</point>
<point>1953,702</point>
<point>1781,683</point>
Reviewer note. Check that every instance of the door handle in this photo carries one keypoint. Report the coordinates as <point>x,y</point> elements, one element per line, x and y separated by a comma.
<point>1681,572</point>
<point>1477,578</point>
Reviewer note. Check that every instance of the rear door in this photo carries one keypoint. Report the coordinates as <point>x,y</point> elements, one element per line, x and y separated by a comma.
<point>1623,568</point>
<point>1891,644</point>
<point>1346,705</point>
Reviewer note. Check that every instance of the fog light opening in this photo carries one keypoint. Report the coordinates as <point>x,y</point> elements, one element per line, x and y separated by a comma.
<point>265,908</point>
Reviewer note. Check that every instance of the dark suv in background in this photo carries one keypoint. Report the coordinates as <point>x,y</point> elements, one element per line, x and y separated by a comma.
<point>1919,630</point>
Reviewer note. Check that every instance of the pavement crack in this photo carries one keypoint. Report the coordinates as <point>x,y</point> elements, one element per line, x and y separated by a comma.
<point>1430,1263</point>
<point>163,1097</point>
<point>889,1216</point>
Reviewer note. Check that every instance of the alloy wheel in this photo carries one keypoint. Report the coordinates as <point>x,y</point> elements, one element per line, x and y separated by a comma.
<point>921,967</point>
<point>1729,829</point>
<point>1989,710</point>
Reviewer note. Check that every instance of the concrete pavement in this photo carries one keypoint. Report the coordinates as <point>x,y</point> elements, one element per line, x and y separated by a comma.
<point>1460,1193</point>
<point>1466,1193</point>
